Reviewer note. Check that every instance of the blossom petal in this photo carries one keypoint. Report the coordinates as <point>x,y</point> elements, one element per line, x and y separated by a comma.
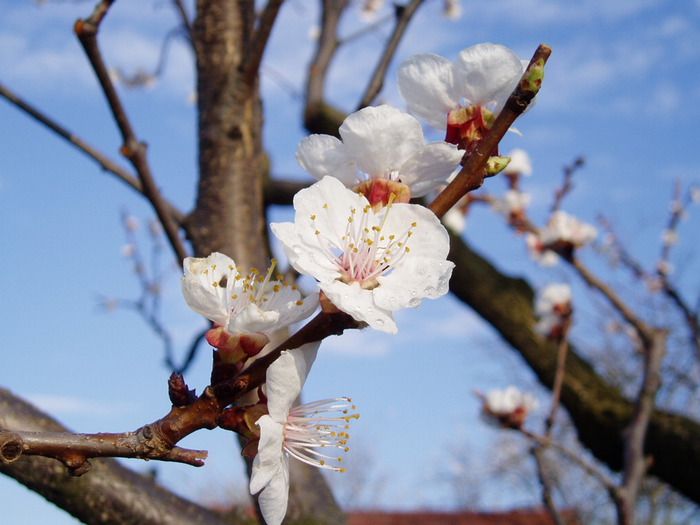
<point>417,279</point>
<point>427,85</point>
<point>268,462</point>
<point>301,248</point>
<point>331,204</point>
<point>429,238</point>
<point>274,498</point>
<point>381,138</point>
<point>198,287</point>
<point>360,304</point>
<point>430,166</point>
<point>323,155</point>
<point>286,377</point>
<point>487,73</point>
<point>253,319</point>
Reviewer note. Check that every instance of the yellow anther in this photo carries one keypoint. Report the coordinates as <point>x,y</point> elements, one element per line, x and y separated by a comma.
<point>300,302</point>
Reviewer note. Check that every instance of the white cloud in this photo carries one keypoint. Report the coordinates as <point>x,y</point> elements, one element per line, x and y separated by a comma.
<point>67,405</point>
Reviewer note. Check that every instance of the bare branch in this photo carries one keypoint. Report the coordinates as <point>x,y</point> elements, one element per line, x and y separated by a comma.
<point>110,494</point>
<point>404,14</point>
<point>184,18</point>
<point>567,183</point>
<point>319,117</point>
<point>558,377</point>
<point>538,453</point>
<point>105,162</point>
<point>636,463</point>
<point>258,43</point>
<point>73,450</point>
<point>132,148</point>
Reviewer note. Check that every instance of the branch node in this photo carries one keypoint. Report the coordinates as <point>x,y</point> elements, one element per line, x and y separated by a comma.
<point>11,447</point>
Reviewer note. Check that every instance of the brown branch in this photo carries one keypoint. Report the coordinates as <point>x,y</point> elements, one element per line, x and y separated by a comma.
<point>635,460</point>
<point>74,450</point>
<point>105,162</point>
<point>472,174</point>
<point>403,17</point>
<point>184,18</point>
<point>559,374</point>
<point>110,494</point>
<point>546,484</point>
<point>543,442</point>
<point>320,327</point>
<point>640,327</point>
<point>132,148</point>
<point>258,43</point>
<point>567,184</point>
<point>319,117</point>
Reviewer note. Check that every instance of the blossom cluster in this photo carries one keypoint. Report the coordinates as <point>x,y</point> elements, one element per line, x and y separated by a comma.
<point>553,308</point>
<point>369,249</point>
<point>508,408</point>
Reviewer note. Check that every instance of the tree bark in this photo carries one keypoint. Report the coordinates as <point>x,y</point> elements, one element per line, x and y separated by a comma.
<point>230,212</point>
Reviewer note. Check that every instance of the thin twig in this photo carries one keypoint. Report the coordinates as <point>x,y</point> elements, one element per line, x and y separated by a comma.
<point>635,462</point>
<point>105,162</point>
<point>640,327</point>
<point>328,42</point>
<point>567,183</point>
<point>547,498</point>
<point>403,17</point>
<point>558,377</point>
<point>258,43</point>
<point>592,469</point>
<point>74,450</point>
<point>132,148</point>
<point>185,19</point>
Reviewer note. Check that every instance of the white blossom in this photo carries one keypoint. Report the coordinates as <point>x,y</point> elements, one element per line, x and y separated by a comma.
<point>563,230</point>
<point>242,303</point>
<point>513,202</point>
<point>315,433</point>
<point>520,163</point>
<point>508,407</point>
<point>368,264</point>
<point>483,75</point>
<point>553,307</point>
<point>380,143</point>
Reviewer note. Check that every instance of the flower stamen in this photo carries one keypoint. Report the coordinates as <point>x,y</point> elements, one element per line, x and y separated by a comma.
<point>320,425</point>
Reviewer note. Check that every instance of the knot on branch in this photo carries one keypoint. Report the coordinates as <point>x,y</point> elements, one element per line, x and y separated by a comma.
<point>10,447</point>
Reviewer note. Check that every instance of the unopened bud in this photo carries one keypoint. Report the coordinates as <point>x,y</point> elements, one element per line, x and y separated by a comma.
<point>495,165</point>
<point>533,77</point>
<point>381,192</point>
<point>178,391</point>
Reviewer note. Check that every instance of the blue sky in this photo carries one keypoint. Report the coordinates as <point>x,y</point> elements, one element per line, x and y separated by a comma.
<point>621,88</point>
